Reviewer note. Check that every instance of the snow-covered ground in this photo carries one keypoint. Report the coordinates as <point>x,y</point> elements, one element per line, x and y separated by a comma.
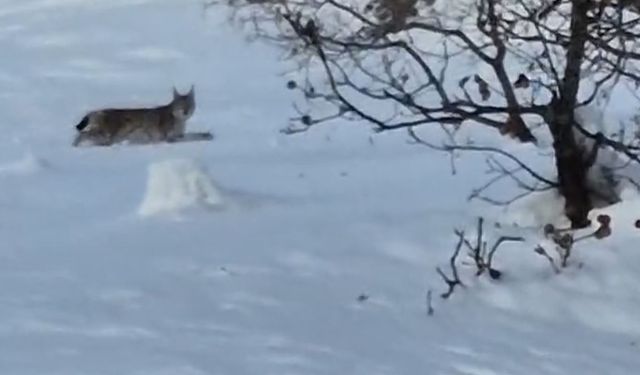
<point>269,254</point>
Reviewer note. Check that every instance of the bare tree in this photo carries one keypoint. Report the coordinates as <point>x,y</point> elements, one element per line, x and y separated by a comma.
<point>521,67</point>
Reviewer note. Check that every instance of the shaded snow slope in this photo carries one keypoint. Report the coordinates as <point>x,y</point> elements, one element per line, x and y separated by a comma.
<point>270,284</point>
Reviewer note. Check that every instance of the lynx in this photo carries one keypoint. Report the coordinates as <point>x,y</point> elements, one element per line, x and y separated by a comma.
<point>140,125</point>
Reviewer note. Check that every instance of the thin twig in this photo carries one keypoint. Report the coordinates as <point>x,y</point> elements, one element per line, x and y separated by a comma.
<point>454,280</point>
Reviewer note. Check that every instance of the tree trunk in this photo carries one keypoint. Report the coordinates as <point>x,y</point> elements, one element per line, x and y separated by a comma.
<point>571,166</point>
<point>572,183</point>
<point>570,159</point>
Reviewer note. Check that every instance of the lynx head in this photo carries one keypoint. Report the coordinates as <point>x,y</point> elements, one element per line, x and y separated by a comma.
<point>183,106</point>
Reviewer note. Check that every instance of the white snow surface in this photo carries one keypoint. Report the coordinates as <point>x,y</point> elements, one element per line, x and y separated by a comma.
<point>272,285</point>
<point>176,185</point>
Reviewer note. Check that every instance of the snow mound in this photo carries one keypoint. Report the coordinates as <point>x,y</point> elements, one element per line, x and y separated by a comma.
<point>535,210</point>
<point>178,184</point>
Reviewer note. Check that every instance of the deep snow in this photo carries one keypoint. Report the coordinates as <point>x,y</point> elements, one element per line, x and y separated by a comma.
<point>269,283</point>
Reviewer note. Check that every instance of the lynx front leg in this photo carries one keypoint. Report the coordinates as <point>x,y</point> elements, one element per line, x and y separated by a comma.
<point>175,133</point>
<point>193,137</point>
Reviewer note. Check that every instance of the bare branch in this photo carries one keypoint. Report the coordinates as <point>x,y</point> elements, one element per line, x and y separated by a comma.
<point>454,280</point>
<point>397,65</point>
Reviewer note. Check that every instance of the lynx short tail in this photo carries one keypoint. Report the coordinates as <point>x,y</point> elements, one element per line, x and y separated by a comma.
<point>83,123</point>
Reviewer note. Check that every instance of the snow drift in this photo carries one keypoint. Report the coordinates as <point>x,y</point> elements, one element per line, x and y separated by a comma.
<point>177,184</point>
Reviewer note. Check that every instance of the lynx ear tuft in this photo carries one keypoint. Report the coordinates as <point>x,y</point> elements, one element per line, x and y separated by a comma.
<point>175,92</point>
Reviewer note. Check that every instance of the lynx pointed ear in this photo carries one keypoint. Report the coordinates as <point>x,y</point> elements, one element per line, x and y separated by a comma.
<point>192,91</point>
<point>175,92</point>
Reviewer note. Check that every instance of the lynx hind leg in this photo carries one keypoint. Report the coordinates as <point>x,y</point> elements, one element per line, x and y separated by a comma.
<point>81,139</point>
<point>92,137</point>
<point>77,140</point>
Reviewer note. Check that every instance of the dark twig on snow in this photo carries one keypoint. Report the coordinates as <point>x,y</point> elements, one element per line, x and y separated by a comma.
<point>565,239</point>
<point>479,252</point>
<point>483,258</point>
<point>541,251</point>
<point>430,310</point>
<point>454,280</point>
